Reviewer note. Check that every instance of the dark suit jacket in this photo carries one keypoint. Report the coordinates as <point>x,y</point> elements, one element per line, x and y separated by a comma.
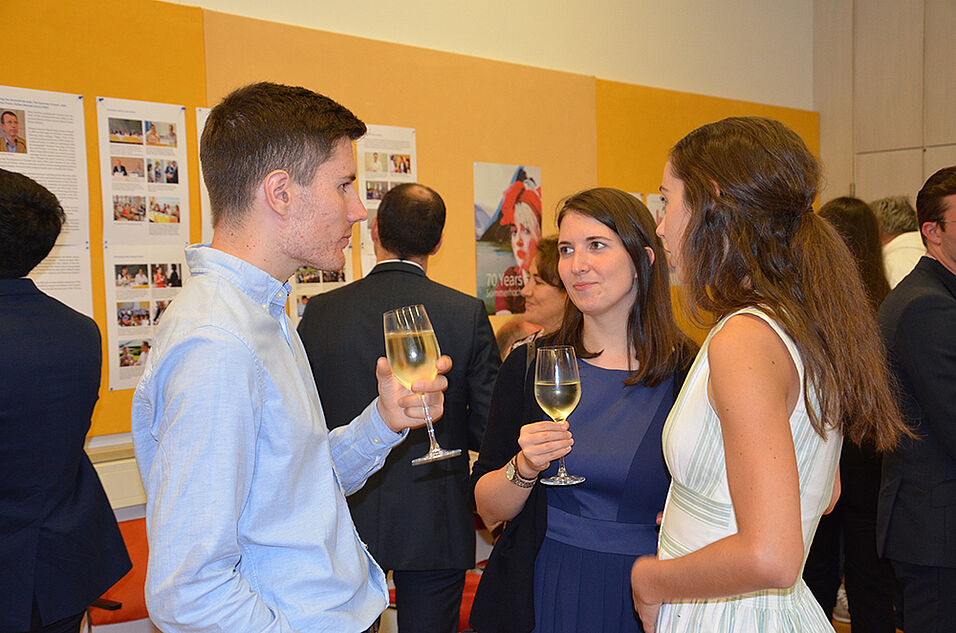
<point>916,520</point>
<point>58,537</point>
<point>411,517</point>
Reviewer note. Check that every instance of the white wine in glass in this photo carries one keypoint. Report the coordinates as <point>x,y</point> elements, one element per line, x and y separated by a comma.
<point>412,351</point>
<point>557,388</point>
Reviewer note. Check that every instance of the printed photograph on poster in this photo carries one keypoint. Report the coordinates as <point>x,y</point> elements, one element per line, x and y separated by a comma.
<point>43,138</point>
<point>128,169</point>
<point>13,125</point>
<point>655,204</point>
<point>125,131</point>
<point>165,139</point>
<point>375,162</point>
<point>386,157</point>
<point>507,230</point>
<point>144,172</point>
<point>141,282</point>
<point>132,353</point>
<point>308,282</point>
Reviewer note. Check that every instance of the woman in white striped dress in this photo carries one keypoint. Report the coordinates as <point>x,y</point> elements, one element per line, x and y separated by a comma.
<point>793,364</point>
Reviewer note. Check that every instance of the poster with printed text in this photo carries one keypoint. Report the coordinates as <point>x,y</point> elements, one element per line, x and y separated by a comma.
<point>386,157</point>
<point>205,209</point>
<point>43,138</point>
<point>308,282</point>
<point>143,172</point>
<point>507,230</point>
<point>141,281</point>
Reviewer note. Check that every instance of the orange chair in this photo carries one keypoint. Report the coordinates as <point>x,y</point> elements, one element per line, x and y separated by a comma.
<point>128,592</point>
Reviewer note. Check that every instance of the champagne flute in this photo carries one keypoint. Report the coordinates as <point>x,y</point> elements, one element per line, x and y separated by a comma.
<point>557,388</point>
<point>412,351</point>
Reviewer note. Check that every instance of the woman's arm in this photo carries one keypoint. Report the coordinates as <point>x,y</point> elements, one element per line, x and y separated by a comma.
<point>498,499</point>
<point>753,387</point>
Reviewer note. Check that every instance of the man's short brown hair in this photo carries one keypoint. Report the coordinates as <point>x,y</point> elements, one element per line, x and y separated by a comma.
<point>263,127</point>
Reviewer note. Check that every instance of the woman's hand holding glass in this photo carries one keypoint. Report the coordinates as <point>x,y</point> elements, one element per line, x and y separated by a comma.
<point>541,443</point>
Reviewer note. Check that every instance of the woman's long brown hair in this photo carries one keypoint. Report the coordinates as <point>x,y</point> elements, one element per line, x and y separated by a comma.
<point>753,240</point>
<point>654,338</point>
<point>860,231</point>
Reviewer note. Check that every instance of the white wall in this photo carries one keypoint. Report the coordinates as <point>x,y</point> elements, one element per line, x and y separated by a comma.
<point>754,50</point>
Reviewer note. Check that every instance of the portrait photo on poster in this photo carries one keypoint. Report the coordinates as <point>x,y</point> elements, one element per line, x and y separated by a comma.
<point>507,230</point>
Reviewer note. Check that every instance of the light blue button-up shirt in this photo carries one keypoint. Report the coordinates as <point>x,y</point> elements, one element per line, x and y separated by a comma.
<point>248,525</point>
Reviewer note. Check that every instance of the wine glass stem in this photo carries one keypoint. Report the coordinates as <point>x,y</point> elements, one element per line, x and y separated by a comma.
<point>561,470</point>
<point>432,442</point>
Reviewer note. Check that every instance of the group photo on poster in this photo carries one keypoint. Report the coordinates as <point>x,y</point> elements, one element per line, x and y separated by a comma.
<point>507,231</point>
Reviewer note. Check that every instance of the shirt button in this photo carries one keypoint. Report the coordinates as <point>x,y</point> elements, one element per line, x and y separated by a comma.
<point>265,307</point>
<point>376,441</point>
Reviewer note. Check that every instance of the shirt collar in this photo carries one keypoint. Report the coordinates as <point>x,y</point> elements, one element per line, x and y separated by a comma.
<point>259,285</point>
<point>400,261</point>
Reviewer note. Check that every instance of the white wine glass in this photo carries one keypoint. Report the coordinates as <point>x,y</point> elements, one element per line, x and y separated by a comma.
<point>412,351</point>
<point>557,388</point>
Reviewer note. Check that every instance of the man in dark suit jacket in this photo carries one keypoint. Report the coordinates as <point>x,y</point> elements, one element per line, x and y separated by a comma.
<point>60,547</point>
<point>416,520</point>
<point>916,520</point>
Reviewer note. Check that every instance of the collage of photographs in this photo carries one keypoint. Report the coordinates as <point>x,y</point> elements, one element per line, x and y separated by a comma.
<point>148,173</point>
<point>383,171</point>
<point>143,292</point>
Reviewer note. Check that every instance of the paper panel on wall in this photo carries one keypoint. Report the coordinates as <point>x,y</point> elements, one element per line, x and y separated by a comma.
<point>43,138</point>
<point>205,210</point>
<point>308,282</point>
<point>386,157</point>
<point>655,204</point>
<point>507,230</point>
<point>141,281</point>
<point>143,171</point>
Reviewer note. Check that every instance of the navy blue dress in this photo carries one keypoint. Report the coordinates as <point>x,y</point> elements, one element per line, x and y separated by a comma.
<point>582,573</point>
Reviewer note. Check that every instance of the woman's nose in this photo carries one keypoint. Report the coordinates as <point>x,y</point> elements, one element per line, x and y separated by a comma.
<point>579,262</point>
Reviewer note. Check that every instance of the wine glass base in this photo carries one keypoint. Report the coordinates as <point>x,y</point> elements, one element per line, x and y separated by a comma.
<point>562,480</point>
<point>436,455</point>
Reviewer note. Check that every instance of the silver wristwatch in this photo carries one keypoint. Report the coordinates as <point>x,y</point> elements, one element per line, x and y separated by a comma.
<point>511,472</point>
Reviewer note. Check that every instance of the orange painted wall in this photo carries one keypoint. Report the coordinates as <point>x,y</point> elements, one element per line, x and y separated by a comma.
<point>464,109</point>
<point>582,132</point>
<point>130,49</point>
<point>637,126</point>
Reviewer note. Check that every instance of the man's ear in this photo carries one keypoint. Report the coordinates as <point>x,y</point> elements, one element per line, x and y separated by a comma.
<point>373,229</point>
<point>930,231</point>
<point>276,189</point>
<point>438,245</point>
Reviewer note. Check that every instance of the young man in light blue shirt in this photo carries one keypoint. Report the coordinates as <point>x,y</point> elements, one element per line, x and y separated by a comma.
<point>246,514</point>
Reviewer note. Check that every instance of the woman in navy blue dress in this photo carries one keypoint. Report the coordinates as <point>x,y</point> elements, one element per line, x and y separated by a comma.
<point>563,562</point>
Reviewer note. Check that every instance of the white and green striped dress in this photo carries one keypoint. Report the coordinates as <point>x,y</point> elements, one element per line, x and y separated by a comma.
<point>699,510</point>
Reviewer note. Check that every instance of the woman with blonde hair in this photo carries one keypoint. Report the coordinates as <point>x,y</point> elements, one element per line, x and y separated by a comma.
<point>793,364</point>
